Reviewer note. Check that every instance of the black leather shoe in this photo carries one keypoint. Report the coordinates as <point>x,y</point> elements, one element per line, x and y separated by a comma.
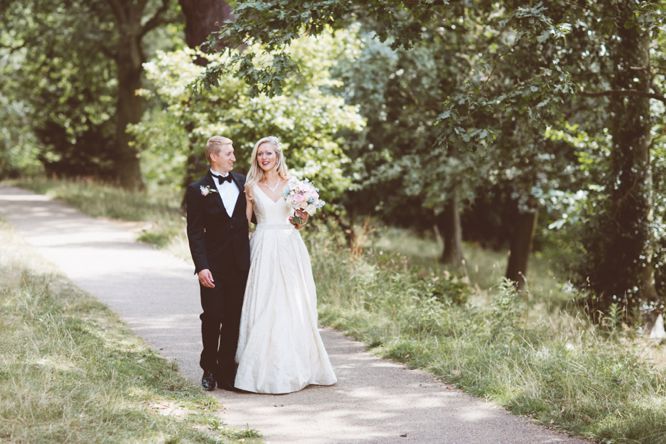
<point>208,381</point>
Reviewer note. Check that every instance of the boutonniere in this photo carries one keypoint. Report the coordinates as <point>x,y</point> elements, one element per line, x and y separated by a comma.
<point>206,190</point>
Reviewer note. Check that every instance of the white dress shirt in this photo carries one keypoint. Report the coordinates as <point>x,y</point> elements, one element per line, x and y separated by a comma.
<point>228,192</point>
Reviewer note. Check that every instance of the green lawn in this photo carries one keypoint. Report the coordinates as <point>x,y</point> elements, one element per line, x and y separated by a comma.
<point>534,353</point>
<point>71,371</point>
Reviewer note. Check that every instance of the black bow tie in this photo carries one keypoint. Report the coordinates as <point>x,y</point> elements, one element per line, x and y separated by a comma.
<point>222,179</point>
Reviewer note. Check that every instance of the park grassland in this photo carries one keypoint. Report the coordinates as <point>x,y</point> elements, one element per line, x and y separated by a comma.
<point>71,372</point>
<point>533,353</point>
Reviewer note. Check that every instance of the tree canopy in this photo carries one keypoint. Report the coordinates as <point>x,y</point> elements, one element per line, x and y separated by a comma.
<point>512,73</point>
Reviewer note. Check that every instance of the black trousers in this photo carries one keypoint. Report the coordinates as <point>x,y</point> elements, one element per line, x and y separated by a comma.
<point>220,322</point>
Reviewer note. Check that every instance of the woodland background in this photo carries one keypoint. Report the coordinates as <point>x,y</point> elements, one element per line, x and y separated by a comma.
<point>455,142</point>
<point>515,125</point>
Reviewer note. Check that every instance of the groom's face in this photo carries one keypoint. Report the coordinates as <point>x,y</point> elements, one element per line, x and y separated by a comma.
<point>223,161</point>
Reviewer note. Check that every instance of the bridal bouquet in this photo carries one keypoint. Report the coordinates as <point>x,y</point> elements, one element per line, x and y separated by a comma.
<point>302,195</point>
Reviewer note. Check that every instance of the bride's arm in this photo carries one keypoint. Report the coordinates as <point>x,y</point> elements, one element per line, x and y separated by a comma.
<point>249,208</point>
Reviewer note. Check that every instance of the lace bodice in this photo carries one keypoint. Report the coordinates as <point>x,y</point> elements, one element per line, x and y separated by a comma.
<point>268,211</point>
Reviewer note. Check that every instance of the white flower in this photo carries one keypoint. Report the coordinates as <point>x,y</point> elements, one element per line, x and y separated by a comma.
<point>206,190</point>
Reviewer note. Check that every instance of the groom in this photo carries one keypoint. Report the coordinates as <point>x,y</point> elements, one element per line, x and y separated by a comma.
<point>217,231</point>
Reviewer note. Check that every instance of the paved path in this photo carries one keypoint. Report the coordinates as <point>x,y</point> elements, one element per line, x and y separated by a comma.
<point>157,295</point>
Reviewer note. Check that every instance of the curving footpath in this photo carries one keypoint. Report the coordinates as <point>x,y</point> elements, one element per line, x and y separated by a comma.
<point>156,294</point>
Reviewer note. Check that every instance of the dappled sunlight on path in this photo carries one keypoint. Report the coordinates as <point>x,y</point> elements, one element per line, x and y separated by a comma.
<point>379,401</point>
<point>157,295</point>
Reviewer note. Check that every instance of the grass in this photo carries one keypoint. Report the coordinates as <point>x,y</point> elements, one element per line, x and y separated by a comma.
<point>520,351</point>
<point>70,371</point>
<point>533,353</point>
<point>484,269</point>
<point>106,200</point>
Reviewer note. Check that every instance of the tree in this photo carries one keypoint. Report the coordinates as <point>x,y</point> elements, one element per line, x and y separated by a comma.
<point>495,122</point>
<point>308,117</point>
<point>400,92</point>
<point>131,28</point>
<point>79,66</point>
<point>275,23</point>
<point>509,103</point>
<point>623,273</point>
<point>64,88</point>
<point>203,17</point>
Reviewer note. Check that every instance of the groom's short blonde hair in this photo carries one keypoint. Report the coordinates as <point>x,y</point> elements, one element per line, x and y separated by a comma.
<point>215,143</point>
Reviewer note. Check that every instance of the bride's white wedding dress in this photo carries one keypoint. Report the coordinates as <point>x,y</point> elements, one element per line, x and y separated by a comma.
<point>279,346</point>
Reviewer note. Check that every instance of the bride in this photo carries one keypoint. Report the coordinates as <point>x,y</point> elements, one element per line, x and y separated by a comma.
<point>279,347</point>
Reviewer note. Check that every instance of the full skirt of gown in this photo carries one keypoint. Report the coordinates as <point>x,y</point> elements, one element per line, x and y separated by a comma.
<point>280,349</point>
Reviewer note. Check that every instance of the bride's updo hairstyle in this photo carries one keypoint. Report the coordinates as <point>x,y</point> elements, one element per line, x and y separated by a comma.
<point>256,174</point>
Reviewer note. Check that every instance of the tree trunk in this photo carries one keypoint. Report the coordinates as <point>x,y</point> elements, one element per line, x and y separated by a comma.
<point>450,229</point>
<point>128,107</point>
<point>129,57</point>
<point>521,245</point>
<point>202,17</point>
<point>196,162</point>
<point>131,28</point>
<point>625,274</point>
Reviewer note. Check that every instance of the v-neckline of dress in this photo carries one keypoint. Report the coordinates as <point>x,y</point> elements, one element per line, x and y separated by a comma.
<point>269,197</point>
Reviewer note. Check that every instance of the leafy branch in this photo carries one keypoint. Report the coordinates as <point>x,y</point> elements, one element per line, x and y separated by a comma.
<point>624,92</point>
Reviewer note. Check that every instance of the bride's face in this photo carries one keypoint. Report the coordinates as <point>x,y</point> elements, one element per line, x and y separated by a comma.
<point>266,157</point>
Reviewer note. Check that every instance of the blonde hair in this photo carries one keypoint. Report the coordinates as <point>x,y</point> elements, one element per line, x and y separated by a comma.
<point>216,143</point>
<point>256,174</point>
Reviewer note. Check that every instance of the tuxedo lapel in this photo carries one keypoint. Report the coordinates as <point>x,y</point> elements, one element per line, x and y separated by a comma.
<point>210,182</point>
<point>236,181</point>
<point>240,202</point>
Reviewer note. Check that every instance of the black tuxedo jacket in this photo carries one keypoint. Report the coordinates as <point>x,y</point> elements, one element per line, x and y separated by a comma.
<point>217,242</point>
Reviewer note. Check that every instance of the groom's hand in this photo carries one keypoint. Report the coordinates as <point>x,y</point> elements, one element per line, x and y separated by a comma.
<point>206,278</point>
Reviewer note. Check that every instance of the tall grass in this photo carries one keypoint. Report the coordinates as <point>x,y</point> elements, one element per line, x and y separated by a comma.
<point>483,268</point>
<point>551,365</point>
<point>70,371</point>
